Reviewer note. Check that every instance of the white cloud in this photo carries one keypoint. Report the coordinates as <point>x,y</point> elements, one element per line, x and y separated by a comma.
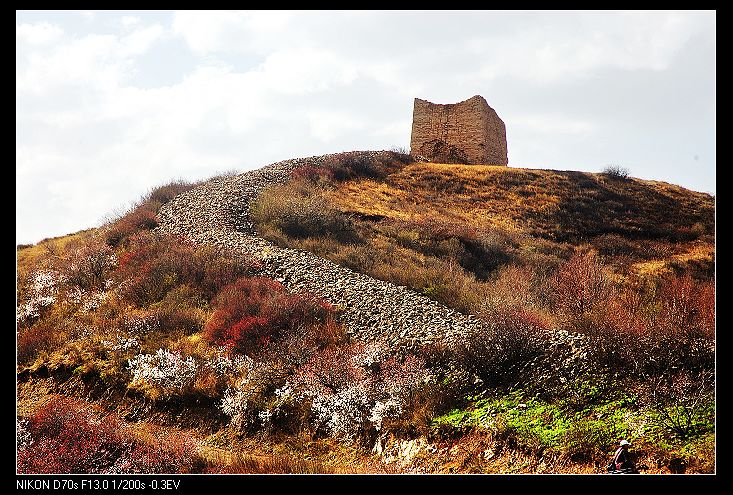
<point>551,125</point>
<point>578,45</point>
<point>327,126</point>
<point>304,70</point>
<point>78,61</point>
<point>222,31</point>
<point>140,40</point>
<point>40,33</point>
<point>100,61</point>
<point>129,20</point>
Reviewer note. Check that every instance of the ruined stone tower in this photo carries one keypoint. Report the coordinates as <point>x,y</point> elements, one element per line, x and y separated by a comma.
<point>465,132</point>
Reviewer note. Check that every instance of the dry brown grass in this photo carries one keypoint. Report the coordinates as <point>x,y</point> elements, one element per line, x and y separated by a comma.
<point>471,195</point>
<point>29,256</point>
<point>547,205</point>
<point>293,454</point>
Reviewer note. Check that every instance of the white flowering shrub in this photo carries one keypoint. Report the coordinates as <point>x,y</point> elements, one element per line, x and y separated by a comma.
<point>343,391</point>
<point>265,417</point>
<point>139,324</point>
<point>22,434</point>
<point>355,388</point>
<point>234,405</point>
<point>223,365</point>
<point>79,275</point>
<point>249,403</point>
<point>43,292</point>
<point>389,408</point>
<point>93,301</point>
<point>371,355</point>
<point>88,301</point>
<point>343,413</point>
<point>121,343</point>
<point>165,370</point>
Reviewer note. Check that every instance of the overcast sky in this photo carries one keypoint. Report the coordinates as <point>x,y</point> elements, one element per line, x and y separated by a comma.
<point>109,104</point>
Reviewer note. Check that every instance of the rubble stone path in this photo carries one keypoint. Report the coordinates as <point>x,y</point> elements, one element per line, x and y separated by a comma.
<point>217,212</point>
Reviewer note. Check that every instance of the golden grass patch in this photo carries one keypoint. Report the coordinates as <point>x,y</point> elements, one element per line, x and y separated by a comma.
<point>28,256</point>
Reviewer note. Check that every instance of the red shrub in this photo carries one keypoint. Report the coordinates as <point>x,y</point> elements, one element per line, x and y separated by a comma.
<point>345,166</point>
<point>581,284</point>
<point>313,173</point>
<point>143,216</point>
<point>153,265</point>
<point>254,311</point>
<point>40,337</point>
<point>332,369</point>
<point>162,194</point>
<point>355,164</point>
<point>681,334</point>
<point>249,332</point>
<point>70,436</point>
<point>176,455</point>
<point>627,311</point>
<point>497,351</point>
<point>688,306</point>
<point>140,218</point>
<point>219,270</point>
<point>652,329</point>
<point>151,270</point>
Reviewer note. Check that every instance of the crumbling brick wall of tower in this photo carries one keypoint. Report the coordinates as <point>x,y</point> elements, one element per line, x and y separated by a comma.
<point>465,132</point>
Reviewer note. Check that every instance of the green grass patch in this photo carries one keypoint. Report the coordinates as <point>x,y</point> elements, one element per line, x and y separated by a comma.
<point>535,423</point>
<point>540,426</point>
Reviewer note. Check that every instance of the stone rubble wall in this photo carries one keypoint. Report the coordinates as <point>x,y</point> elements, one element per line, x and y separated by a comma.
<point>216,212</point>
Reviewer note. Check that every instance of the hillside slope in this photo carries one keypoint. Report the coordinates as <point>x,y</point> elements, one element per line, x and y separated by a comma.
<point>440,228</point>
<point>411,311</point>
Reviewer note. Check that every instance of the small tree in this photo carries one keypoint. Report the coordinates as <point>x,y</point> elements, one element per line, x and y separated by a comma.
<point>616,171</point>
<point>684,404</point>
<point>581,284</point>
<point>88,266</point>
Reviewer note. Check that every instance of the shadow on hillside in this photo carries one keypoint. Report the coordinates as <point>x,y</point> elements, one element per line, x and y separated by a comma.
<point>595,205</point>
